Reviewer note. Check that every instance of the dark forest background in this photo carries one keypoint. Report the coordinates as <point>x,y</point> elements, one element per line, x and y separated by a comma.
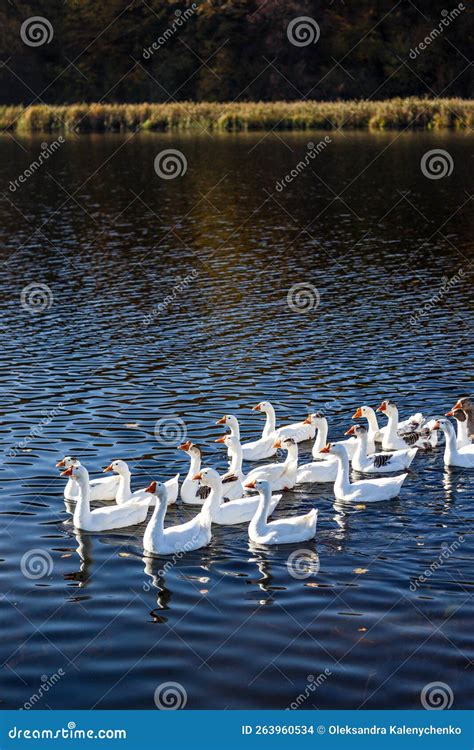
<point>233,49</point>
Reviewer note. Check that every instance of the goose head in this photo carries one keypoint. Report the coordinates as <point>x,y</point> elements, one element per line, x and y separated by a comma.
<point>317,419</point>
<point>388,408</point>
<point>191,449</point>
<point>208,477</point>
<point>230,441</point>
<point>67,461</point>
<point>358,430</point>
<point>230,420</point>
<point>442,424</point>
<point>261,485</point>
<point>465,403</point>
<point>363,411</point>
<point>78,473</point>
<point>334,449</point>
<point>119,467</point>
<point>264,406</point>
<point>288,444</point>
<point>157,489</point>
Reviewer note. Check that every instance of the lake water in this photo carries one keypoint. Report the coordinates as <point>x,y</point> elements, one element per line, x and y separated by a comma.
<point>107,357</point>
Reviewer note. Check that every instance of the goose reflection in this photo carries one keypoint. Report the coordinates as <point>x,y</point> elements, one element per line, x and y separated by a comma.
<point>84,550</point>
<point>155,568</point>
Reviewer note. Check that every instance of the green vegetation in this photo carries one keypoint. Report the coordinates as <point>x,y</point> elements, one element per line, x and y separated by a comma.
<point>393,113</point>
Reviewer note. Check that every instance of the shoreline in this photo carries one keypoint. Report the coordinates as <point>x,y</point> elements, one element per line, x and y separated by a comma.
<point>391,114</point>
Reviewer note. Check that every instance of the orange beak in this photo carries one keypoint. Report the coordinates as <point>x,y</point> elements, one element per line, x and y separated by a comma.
<point>185,446</point>
<point>197,476</point>
<point>326,448</point>
<point>307,420</point>
<point>450,413</point>
<point>109,468</point>
<point>257,408</point>
<point>277,444</point>
<point>457,405</point>
<point>251,485</point>
<point>67,472</point>
<point>222,420</point>
<point>151,488</point>
<point>382,407</point>
<point>221,439</point>
<point>436,425</point>
<point>60,463</point>
<point>357,414</point>
<point>350,431</point>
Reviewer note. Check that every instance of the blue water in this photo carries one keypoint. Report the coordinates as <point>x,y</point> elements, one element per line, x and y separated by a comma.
<point>92,373</point>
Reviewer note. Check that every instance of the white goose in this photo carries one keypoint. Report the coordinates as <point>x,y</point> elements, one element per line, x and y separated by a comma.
<point>321,423</point>
<point>104,488</point>
<point>103,519</point>
<point>282,476</point>
<point>263,447</point>
<point>319,470</point>
<point>232,479</point>
<point>124,492</point>
<point>183,537</point>
<point>282,531</point>
<point>462,438</point>
<point>377,463</point>
<point>454,456</point>
<point>190,492</point>
<point>364,490</point>
<point>241,510</point>
<point>394,440</point>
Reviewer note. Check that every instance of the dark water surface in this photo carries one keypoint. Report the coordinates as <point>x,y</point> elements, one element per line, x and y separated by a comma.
<point>93,372</point>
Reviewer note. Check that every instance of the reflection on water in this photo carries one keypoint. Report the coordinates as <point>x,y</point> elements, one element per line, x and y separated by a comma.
<point>168,300</point>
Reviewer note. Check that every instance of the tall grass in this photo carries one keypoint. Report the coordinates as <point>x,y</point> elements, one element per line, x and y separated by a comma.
<point>392,113</point>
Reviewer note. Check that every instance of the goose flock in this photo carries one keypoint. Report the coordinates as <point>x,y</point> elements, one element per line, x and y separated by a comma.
<point>230,498</point>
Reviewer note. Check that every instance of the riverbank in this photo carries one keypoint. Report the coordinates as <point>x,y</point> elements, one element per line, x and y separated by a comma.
<point>397,114</point>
